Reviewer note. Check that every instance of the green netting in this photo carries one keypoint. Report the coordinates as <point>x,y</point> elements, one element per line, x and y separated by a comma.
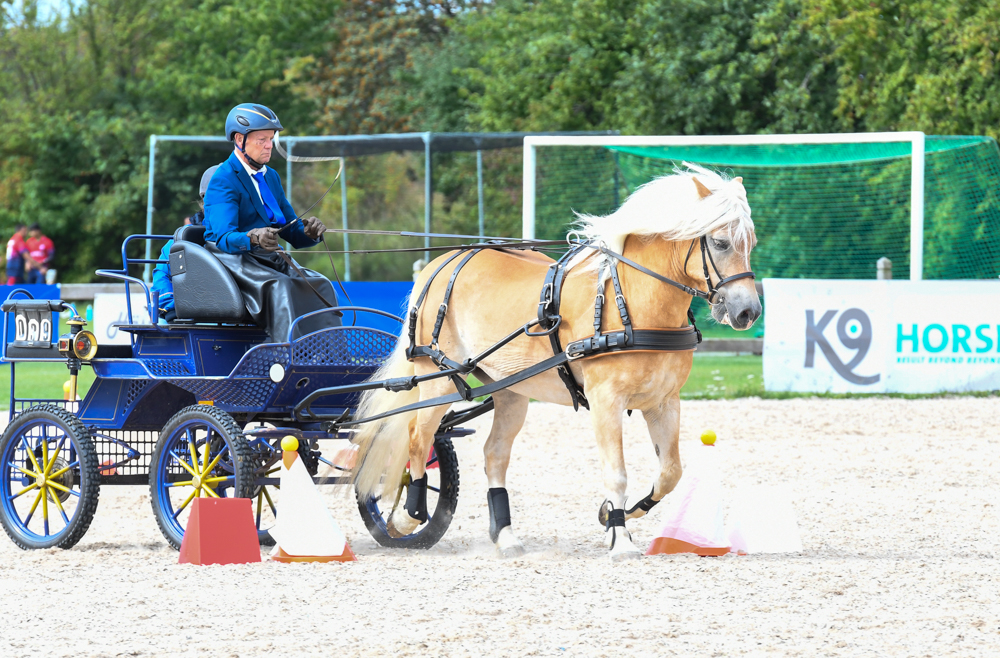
<point>821,211</point>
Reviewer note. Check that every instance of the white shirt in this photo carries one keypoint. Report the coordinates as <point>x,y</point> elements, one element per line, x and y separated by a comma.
<point>251,172</point>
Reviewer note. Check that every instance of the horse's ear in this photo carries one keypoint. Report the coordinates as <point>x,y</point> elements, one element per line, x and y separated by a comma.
<point>702,190</point>
<point>738,179</point>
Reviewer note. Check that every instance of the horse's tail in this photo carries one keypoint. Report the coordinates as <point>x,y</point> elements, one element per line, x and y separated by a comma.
<point>384,445</point>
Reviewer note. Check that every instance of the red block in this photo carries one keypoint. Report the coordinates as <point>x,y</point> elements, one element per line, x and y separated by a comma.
<point>220,531</point>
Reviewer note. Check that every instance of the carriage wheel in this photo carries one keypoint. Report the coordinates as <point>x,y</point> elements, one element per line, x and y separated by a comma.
<point>201,453</point>
<point>442,484</point>
<point>49,483</point>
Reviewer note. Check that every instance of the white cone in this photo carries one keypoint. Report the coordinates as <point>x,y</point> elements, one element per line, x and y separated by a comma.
<point>762,520</point>
<point>304,526</point>
<point>694,514</point>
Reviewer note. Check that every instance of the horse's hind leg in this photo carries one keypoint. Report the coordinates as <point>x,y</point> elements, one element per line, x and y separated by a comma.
<point>606,414</point>
<point>664,429</point>
<point>406,518</point>
<point>508,418</point>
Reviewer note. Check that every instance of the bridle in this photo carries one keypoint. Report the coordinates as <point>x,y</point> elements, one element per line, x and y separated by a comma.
<point>706,258</point>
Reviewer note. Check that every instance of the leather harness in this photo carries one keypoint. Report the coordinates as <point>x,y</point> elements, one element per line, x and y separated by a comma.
<point>548,322</point>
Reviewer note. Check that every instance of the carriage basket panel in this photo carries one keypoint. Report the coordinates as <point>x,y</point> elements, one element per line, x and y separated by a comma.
<point>167,367</point>
<point>345,347</point>
<point>260,359</point>
<point>246,393</point>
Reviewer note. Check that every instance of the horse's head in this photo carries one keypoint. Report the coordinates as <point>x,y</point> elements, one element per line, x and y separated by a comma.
<point>720,258</point>
<point>707,216</point>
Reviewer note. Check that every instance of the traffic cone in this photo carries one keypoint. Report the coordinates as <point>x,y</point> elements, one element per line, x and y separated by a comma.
<point>304,530</point>
<point>695,516</point>
<point>220,531</point>
<point>762,521</point>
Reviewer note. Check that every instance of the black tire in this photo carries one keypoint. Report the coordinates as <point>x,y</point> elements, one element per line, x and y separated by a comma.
<point>234,468</point>
<point>81,477</point>
<point>429,533</point>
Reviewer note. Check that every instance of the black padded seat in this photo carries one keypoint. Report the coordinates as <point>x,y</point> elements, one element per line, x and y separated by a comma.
<point>191,233</point>
<point>204,290</point>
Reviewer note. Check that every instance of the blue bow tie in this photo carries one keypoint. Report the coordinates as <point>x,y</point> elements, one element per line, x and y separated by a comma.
<point>274,213</point>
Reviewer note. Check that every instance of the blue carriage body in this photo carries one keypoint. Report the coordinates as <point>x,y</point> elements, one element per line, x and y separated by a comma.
<point>231,366</point>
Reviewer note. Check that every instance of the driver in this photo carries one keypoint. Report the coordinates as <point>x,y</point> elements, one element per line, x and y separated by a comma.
<point>246,213</point>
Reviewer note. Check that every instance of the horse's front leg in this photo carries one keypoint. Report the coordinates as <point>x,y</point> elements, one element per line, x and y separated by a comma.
<point>606,414</point>
<point>663,423</point>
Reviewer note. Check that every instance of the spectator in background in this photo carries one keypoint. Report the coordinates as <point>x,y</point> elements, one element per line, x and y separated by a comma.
<point>41,250</point>
<point>17,256</point>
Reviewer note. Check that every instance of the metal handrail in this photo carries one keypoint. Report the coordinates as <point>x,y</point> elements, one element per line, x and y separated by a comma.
<point>362,309</point>
<point>124,276</point>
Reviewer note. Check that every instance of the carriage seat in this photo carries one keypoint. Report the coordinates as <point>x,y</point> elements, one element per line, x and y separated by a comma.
<point>204,290</point>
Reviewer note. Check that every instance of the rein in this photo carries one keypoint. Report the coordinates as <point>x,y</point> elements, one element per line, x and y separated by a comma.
<point>547,322</point>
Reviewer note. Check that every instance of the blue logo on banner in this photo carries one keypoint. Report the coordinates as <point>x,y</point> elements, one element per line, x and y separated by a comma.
<point>854,330</point>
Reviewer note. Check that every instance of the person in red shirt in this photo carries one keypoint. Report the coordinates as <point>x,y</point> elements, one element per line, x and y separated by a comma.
<point>41,250</point>
<point>17,256</point>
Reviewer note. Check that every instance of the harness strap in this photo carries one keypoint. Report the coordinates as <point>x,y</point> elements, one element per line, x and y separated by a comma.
<point>414,312</point>
<point>620,302</point>
<point>675,340</point>
<point>443,309</point>
<point>549,318</point>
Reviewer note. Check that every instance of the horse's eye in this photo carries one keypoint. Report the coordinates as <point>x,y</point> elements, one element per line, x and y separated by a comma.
<point>721,245</point>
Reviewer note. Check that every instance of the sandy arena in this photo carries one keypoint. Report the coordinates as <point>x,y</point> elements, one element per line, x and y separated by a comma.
<point>897,503</point>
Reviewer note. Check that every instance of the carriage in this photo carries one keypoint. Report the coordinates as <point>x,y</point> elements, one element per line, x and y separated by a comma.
<point>194,408</point>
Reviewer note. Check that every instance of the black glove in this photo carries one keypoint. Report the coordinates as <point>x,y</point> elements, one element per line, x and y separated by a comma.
<point>265,238</point>
<point>313,228</point>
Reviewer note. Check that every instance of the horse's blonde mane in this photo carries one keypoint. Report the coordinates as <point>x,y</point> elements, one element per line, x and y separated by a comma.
<point>670,207</point>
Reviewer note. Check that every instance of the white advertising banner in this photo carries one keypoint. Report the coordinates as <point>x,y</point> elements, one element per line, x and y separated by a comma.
<point>881,336</point>
<point>110,309</point>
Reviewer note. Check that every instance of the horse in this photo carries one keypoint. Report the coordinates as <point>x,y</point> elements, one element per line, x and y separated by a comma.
<point>658,227</point>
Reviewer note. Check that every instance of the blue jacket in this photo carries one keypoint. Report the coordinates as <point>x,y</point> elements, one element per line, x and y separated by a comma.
<point>233,207</point>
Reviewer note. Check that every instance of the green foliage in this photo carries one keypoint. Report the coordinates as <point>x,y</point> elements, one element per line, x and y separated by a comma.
<point>87,91</point>
<point>83,92</point>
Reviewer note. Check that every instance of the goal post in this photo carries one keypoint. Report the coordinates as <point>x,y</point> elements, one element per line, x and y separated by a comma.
<point>916,141</point>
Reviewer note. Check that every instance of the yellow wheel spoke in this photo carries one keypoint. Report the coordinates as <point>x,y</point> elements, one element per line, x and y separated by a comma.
<point>58,473</point>
<point>56,485</point>
<point>45,507</point>
<point>208,469</point>
<point>31,456</point>
<point>45,453</point>
<point>221,478</point>
<point>186,502</point>
<point>51,462</point>
<point>26,489</point>
<point>194,456</point>
<point>28,473</point>
<point>185,483</point>
<point>274,509</point>
<point>55,499</point>
<point>34,505</point>
<point>187,467</point>
<point>208,453</point>
<point>210,493</point>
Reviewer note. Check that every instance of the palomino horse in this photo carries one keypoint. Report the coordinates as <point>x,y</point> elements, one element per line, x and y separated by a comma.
<point>659,226</point>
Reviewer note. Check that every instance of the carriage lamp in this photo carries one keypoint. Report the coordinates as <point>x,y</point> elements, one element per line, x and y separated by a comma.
<point>78,345</point>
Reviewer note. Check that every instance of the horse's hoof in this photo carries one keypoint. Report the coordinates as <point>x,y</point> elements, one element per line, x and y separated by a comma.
<point>391,529</point>
<point>623,556</point>
<point>602,513</point>
<point>511,552</point>
<point>397,532</point>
